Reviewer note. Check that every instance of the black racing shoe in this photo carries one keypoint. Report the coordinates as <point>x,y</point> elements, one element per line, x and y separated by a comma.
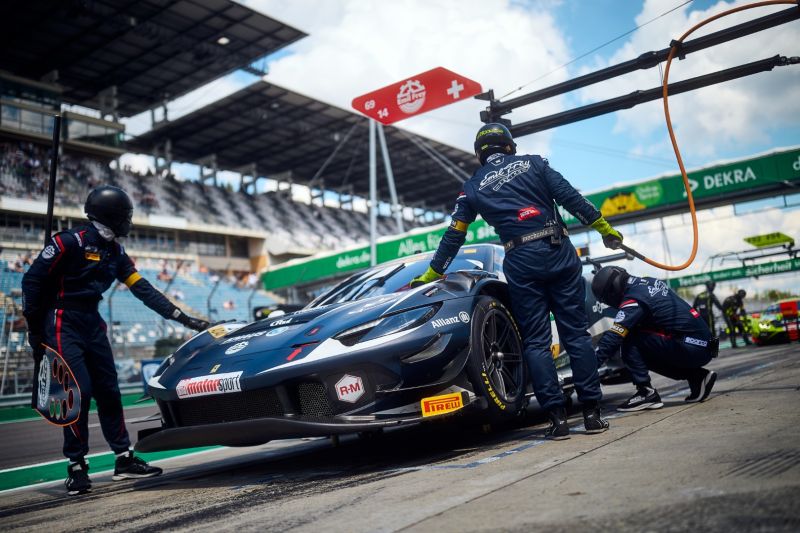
<point>559,429</point>
<point>128,466</point>
<point>700,386</point>
<point>592,420</point>
<point>78,481</point>
<point>645,398</point>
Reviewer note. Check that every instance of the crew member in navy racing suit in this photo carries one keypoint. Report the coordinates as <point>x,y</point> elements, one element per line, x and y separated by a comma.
<point>516,194</point>
<point>705,302</point>
<point>61,292</point>
<point>657,331</point>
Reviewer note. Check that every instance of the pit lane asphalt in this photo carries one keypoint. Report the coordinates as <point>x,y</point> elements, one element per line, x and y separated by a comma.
<point>731,463</point>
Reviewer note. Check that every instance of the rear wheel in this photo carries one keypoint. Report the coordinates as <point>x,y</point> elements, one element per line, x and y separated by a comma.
<point>495,366</point>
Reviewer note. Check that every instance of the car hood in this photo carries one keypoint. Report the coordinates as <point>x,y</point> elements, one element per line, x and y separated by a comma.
<point>271,343</point>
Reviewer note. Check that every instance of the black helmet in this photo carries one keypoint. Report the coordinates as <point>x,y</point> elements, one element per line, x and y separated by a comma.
<point>111,207</point>
<point>493,138</point>
<point>609,284</point>
<point>741,293</point>
<point>711,285</point>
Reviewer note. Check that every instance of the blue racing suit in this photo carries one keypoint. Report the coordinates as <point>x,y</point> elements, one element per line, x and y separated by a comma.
<point>515,194</point>
<point>657,330</point>
<point>61,292</point>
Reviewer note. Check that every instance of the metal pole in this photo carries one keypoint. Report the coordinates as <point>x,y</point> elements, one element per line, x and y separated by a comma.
<point>373,195</point>
<point>387,165</point>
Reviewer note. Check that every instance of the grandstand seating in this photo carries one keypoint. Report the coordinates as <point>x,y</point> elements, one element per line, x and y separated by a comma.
<point>23,174</point>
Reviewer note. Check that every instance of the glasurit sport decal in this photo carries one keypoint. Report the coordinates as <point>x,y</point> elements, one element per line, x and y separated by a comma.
<point>208,385</point>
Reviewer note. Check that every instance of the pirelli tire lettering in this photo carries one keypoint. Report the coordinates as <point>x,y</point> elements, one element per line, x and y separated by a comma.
<point>495,366</point>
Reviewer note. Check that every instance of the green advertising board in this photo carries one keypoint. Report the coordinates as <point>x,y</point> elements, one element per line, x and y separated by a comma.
<point>324,266</point>
<point>762,269</point>
<point>706,183</point>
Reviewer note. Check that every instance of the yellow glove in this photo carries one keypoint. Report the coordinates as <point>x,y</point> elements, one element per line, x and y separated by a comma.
<point>611,237</point>
<point>428,276</point>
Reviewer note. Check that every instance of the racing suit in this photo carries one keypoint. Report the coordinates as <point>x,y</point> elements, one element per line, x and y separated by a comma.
<point>61,291</point>
<point>733,311</point>
<point>704,303</point>
<point>657,331</point>
<point>515,194</point>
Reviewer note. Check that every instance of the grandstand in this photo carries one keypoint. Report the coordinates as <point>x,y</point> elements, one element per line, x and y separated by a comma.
<point>203,243</point>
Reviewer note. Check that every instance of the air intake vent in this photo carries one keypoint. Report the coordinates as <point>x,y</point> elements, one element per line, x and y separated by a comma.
<point>313,399</point>
<point>227,407</point>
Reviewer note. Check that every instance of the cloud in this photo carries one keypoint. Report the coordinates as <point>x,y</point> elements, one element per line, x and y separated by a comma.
<point>721,117</point>
<point>355,47</point>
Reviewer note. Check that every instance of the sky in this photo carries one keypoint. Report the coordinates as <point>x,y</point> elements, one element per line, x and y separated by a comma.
<point>355,46</point>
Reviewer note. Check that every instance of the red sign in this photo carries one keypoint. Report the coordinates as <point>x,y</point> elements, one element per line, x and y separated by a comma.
<point>416,95</point>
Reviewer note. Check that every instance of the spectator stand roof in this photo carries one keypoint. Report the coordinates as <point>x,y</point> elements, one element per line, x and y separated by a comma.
<point>287,134</point>
<point>151,50</point>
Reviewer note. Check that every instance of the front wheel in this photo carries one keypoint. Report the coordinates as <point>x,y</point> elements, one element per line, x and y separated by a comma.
<point>495,366</point>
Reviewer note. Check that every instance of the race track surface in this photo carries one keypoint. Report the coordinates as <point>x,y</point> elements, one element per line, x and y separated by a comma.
<point>729,464</point>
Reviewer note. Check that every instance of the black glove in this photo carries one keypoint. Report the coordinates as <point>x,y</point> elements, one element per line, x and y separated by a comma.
<point>197,324</point>
<point>35,340</point>
<point>612,241</point>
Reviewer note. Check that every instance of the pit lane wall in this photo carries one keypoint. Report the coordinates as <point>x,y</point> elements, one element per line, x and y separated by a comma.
<point>759,176</point>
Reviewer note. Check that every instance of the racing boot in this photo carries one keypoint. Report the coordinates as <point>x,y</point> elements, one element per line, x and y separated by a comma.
<point>127,466</point>
<point>592,421</point>
<point>700,385</point>
<point>78,481</point>
<point>559,428</point>
<point>646,397</point>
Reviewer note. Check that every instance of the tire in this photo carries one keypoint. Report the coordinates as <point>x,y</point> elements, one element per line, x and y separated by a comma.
<point>495,365</point>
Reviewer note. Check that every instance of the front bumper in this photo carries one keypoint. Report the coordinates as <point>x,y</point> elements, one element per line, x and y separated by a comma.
<point>257,431</point>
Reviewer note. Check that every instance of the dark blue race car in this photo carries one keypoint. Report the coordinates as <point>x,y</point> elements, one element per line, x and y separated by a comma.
<point>369,353</point>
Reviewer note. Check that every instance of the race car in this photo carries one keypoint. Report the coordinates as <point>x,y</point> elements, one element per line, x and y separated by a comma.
<point>367,354</point>
<point>777,324</point>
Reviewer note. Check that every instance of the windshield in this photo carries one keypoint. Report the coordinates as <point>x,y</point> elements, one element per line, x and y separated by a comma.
<point>389,278</point>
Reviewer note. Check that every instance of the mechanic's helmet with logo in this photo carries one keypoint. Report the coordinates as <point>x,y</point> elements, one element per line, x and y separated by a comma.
<point>741,293</point>
<point>711,285</point>
<point>493,138</point>
<point>112,207</point>
<point>609,284</point>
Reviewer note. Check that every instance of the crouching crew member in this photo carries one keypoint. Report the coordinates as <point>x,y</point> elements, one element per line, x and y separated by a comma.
<point>61,291</point>
<point>516,194</point>
<point>657,331</point>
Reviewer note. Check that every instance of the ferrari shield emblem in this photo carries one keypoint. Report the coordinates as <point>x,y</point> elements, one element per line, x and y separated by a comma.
<point>59,397</point>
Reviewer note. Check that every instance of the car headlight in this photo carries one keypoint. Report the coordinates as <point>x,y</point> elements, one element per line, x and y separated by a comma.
<point>387,325</point>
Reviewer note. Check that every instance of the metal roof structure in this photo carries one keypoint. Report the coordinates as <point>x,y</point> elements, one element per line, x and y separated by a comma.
<point>286,133</point>
<point>150,50</point>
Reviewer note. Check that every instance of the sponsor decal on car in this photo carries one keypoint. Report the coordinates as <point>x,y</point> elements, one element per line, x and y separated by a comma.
<point>281,322</point>
<point>208,385</point>
<point>464,317</point>
<point>218,331</point>
<point>276,331</point>
<point>349,389</point>
<point>238,347</point>
<point>442,322</point>
<point>214,369</point>
<point>238,338</point>
<point>441,405</point>
<point>619,330</point>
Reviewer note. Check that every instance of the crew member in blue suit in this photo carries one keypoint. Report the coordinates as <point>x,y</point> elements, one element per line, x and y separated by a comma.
<point>62,290</point>
<point>517,195</point>
<point>657,331</point>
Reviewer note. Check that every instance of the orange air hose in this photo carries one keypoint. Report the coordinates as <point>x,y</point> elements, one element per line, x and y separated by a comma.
<point>673,51</point>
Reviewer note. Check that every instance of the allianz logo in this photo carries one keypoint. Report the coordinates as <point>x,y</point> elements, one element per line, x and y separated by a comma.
<point>442,322</point>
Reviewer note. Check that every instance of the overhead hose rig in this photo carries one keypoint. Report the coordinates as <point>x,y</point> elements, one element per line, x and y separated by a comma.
<point>679,48</point>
